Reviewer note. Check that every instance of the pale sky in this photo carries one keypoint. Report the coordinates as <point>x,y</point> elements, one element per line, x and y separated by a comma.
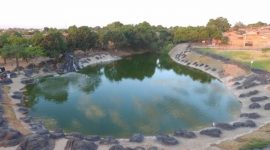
<point>64,13</point>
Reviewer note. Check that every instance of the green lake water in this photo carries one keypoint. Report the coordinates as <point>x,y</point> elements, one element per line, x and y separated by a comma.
<point>146,93</point>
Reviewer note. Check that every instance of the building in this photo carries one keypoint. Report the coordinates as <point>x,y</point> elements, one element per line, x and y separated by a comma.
<point>249,37</point>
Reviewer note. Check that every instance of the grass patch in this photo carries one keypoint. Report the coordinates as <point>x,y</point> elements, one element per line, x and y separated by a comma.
<point>265,50</point>
<point>261,59</point>
<point>256,144</point>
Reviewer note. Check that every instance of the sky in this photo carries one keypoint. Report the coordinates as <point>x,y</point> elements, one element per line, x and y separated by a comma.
<point>64,13</point>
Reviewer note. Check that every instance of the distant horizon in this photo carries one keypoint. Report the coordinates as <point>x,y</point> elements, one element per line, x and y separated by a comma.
<point>62,14</point>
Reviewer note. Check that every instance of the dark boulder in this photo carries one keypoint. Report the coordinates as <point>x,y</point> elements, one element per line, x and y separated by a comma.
<point>74,135</point>
<point>37,142</point>
<point>138,138</point>
<point>248,123</point>
<point>42,131</point>
<point>17,95</point>
<point>254,106</point>
<point>93,138</point>
<point>212,132</point>
<point>267,106</point>
<point>28,81</point>
<point>237,83</point>
<point>152,148</point>
<point>224,126</point>
<point>28,72</point>
<point>26,119</point>
<point>184,134</point>
<point>214,69</point>
<point>23,110</point>
<point>117,147</point>
<point>166,139</point>
<point>13,75</point>
<point>139,148</point>
<point>36,126</point>
<point>75,144</point>
<point>248,94</point>
<point>9,137</point>
<point>258,99</point>
<point>6,81</point>
<point>109,140</point>
<point>250,115</point>
<point>57,134</point>
<point>3,133</point>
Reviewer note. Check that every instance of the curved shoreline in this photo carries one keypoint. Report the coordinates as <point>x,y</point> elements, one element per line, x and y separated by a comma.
<point>200,142</point>
<point>229,82</point>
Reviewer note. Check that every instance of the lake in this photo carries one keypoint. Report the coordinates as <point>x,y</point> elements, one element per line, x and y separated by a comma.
<point>146,93</point>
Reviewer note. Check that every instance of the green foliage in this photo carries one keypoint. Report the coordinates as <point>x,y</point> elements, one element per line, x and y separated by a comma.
<point>53,43</point>
<point>256,144</point>
<point>190,34</point>
<point>258,24</point>
<point>83,38</point>
<point>224,40</point>
<point>220,23</point>
<point>140,36</point>
<point>143,36</point>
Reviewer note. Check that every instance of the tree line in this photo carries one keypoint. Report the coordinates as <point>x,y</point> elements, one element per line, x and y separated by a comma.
<point>143,36</point>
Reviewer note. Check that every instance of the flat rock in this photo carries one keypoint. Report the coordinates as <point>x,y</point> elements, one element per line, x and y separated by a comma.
<point>267,106</point>
<point>75,144</point>
<point>138,138</point>
<point>224,126</point>
<point>212,132</point>
<point>167,140</point>
<point>254,106</point>
<point>258,99</point>
<point>250,115</point>
<point>37,142</point>
<point>109,140</point>
<point>184,134</point>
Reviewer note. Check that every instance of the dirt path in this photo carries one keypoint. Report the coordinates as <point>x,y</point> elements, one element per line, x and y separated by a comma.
<point>9,113</point>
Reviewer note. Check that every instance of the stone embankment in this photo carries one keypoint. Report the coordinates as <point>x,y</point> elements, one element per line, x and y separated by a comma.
<point>250,88</point>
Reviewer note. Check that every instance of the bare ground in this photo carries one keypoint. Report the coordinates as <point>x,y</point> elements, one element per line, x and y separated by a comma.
<point>10,114</point>
<point>262,133</point>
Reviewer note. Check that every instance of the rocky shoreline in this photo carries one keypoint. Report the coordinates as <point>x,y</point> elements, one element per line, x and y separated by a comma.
<point>250,90</point>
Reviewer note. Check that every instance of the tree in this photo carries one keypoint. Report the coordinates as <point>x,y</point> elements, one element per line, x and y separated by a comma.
<point>220,23</point>
<point>53,43</point>
<point>37,38</point>
<point>32,52</point>
<point>238,25</point>
<point>258,24</point>
<point>83,38</point>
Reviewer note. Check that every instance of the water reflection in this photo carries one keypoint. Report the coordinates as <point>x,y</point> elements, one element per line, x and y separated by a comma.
<point>145,93</point>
